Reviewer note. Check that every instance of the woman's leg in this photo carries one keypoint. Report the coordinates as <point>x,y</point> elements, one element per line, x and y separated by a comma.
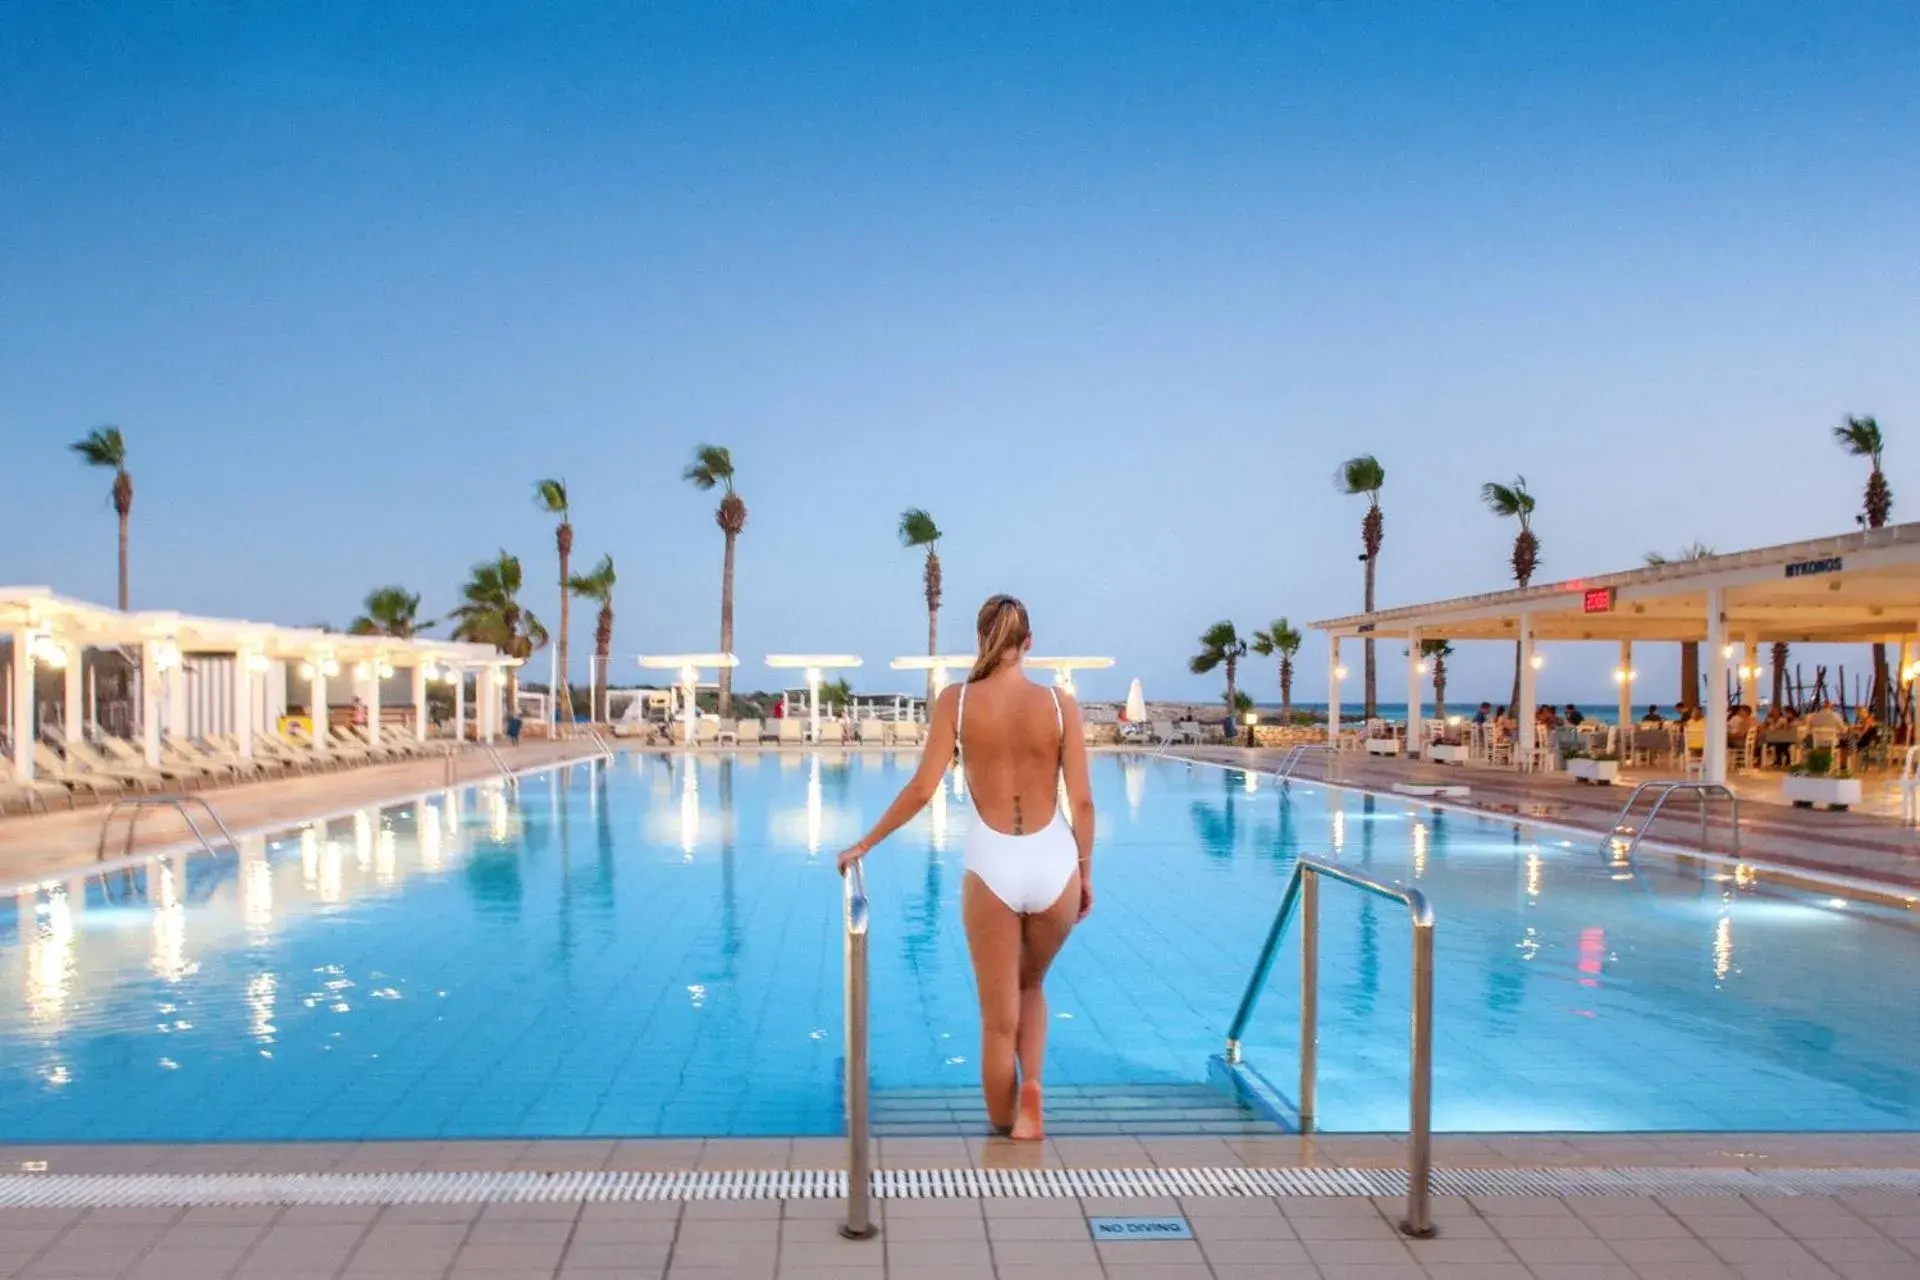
<point>1042,936</point>
<point>993,939</point>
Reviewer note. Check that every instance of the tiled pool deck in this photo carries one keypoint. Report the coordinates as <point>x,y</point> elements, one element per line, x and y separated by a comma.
<point>1869,1236</point>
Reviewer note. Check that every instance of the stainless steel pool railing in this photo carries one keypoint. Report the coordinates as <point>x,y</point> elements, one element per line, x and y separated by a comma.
<point>1302,751</point>
<point>1621,840</point>
<point>140,804</point>
<point>859,1224</point>
<point>1303,896</point>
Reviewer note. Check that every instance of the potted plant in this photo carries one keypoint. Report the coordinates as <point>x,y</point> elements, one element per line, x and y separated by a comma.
<point>1815,782</point>
<point>1380,740</point>
<point>1598,768</point>
<point>1449,748</point>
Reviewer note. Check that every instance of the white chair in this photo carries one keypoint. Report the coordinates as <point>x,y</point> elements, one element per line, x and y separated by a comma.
<point>1909,785</point>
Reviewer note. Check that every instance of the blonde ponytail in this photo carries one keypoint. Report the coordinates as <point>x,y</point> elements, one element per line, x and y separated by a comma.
<point>1002,626</point>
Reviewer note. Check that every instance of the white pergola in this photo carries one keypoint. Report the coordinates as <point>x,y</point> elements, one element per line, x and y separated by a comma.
<point>55,631</point>
<point>1861,587</point>
<point>815,665</point>
<point>938,666</point>
<point>1063,668</point>
<point>689,665</point>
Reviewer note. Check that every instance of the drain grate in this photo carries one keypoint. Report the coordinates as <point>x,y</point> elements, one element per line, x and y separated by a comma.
<point>81,1190</point>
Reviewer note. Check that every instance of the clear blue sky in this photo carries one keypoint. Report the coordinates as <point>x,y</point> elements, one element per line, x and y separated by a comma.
<point>1109,289</point>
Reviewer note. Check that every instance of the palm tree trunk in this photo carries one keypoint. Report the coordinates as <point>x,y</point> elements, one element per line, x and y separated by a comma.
<point>562,692</point>
<point>1233,703</point>
<point>1369,645</point>
<point>933,647</point>
<point>1286,691</point>
<point>123,562</point>
<point>603,643</point>
<point>726,631</point>
<point>1513,703</point>
<point>1779,675</point>
<point>1878,697</point>
<point>1440,690</point>
<point>1689,673</point>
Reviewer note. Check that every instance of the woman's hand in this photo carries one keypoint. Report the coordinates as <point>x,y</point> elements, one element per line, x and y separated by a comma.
<point>1086,898</point>
<point>850,855</point>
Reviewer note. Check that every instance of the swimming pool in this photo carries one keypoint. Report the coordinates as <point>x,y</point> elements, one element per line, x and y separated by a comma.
<point>652,947</point>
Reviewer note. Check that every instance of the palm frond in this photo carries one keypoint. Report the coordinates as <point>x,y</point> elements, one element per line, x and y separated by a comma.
<point>917,529</point>
<point>1861,437</point>
<point>1360,475</point>
<point>103,447</point>
<point>1509,500</point>
<point>551,497</point>
<point>1279,636</point>
<point>597,583</point>
<point>712,466</point>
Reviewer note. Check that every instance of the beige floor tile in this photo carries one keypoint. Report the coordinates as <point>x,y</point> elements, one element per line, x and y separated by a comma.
<point>898,1230</point>
<point>1785,1271</point>
<point>1254,1251</point>
<point>1380,1252</point>
<point>914,1254</point>
<point>745,1254</point>
<point>832,1251</point>
<point>638,1254</point>
<point>1044,1252</point>
<point>730,1230</point>
<point>729,1210</point>
<point>1046,1228</point>
<point>1265,1271</point>
<point>746,1153</point>
<point>623,1231</point>
<point>745,1270</point>
<point>1138,1253</point>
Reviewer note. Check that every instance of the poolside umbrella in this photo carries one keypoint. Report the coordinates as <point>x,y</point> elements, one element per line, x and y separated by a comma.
<point>1136,703</point>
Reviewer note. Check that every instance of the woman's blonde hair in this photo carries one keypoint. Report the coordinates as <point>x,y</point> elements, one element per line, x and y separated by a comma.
<point>1003,627</point>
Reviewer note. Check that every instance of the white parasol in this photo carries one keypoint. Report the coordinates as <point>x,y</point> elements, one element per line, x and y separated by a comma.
<point>1136,704</point>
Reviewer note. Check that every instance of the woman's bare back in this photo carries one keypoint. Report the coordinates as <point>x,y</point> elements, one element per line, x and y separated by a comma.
<point>1010,744</point>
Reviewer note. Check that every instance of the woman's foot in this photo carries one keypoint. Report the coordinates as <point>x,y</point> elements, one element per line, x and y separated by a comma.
<point>1028,1122</point>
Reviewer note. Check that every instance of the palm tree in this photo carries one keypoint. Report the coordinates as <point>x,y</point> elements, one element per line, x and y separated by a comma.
<point>1280,638</point>
<point>917,529</point>
<point>1689,650</point>
<point>598,586</point>
<point>1437,652</point>
<point>106,447</point>
<point>1514,502</point>
<point>551,497</point>
<point>1363,476</point>
<point>1861,437</point>
<point>1779,674</point>
<point>1220,644</point>
<point>712,467</point>
<point>489,612</point>
<point>391,611</point>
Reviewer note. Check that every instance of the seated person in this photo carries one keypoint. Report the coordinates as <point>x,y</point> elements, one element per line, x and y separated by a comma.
<point>1866,729</point>
<point>1739,722</point>
<point>1573,716</point>
<point>1484,714</point>
<point>1503,722</point>
<point>1825,717</point>
<point>1653,716</point>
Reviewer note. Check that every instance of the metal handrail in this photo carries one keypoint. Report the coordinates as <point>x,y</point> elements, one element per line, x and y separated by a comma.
<point>494,755</point>
<point>1665,789</point>
<point>593,736</point>
<point>1303,887</point>
<point>140,804</point>
<point>859,1224</point>
<point>1299,752</point>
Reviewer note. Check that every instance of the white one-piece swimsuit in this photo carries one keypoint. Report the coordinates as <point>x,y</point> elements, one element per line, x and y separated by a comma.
<point>1027,872</point>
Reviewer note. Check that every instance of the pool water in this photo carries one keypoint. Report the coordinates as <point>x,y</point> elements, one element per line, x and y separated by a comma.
<point>652,946</point>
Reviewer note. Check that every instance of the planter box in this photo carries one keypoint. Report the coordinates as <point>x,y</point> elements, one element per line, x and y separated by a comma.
<point>1383,746</point>
<point>1444,753</point>
<point>1600,772</point>
<point>1834,793</point>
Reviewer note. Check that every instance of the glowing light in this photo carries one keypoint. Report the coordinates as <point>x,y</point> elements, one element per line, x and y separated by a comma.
<point>1340,672</point>
<point>690,810</point>
<point>1593,948</point>
<point>306,671</point>
<point>1723,947</point>
<point>166,655</point>
<point>168,957</point>
<point>1419,849</point>
<point>48,652</point>
<point>1534,868</point>
<point>50,957</point>
<point>261,989</point>
<point>1624,675</point>
<point>363,840</point>
<point>257,663</point>
<point>1537,661</point>
<point>256,889</point>
<point>1339,829</point>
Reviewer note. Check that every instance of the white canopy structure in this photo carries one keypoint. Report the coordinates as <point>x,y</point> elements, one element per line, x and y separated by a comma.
<point>815,665</point>
<point>938,666</point>
<point>1861,586</point>
<point>240,670</point>
<point>1063,668</point>
<point>689,665</point>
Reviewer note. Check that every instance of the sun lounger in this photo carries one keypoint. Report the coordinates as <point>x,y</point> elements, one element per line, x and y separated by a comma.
<point>300,752</point>
<point>49,766</point>
<point>909,733</point>
<point>140,776</point>
<point>727,731</point>
<point>28,794</point>
<point>792,732</point>
<point>869,733</point>
<point>189,752</point>
<point>749,733</point>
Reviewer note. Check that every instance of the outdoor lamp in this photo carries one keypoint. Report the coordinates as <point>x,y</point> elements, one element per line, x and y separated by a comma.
<point>1340,672</point>
<point>48,653</point>
<point>166,655</point>
<point>1421,666</point>
<point>306,671</point>
<point>1253,718</point>
<point>1537,661</point>
<point>329,668</point>
<point>256,662</point>
<point>1623,675</point>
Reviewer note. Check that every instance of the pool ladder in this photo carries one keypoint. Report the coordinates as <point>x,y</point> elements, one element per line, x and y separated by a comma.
<point>1304,751</point>
<point>1621,841</point>
<point>1302,896</point>
<point>859,1224</point>
<point>138,805</point>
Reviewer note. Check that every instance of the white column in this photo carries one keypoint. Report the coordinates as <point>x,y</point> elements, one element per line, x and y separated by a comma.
<point>1333,691</point>
<point>813,704</point>
<point>486,689</point>
<point>322,736</point>
<point>150,701</point>
<point>1750,685</point>
<point>73,710</point>
<point>691,693</point>
<point>1524,712</point>
<point>1716,708</point>
<point>21,721</point>
<point>1626,691</point>
<point>460,705</point>
<point>243,702</point>
<point>177,698</point>
<point>1415,739</point>
<point>419,699</point>
<point>373,699</point>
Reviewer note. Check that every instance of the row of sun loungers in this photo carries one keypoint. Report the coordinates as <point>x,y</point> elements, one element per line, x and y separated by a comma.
<point>795,732</point>
<point>67,771</point>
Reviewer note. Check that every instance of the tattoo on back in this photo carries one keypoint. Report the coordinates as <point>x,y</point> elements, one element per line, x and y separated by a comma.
<point>1019,823</point>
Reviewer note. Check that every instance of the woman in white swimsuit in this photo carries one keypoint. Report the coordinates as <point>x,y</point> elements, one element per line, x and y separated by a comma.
<point>1029,874</point>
